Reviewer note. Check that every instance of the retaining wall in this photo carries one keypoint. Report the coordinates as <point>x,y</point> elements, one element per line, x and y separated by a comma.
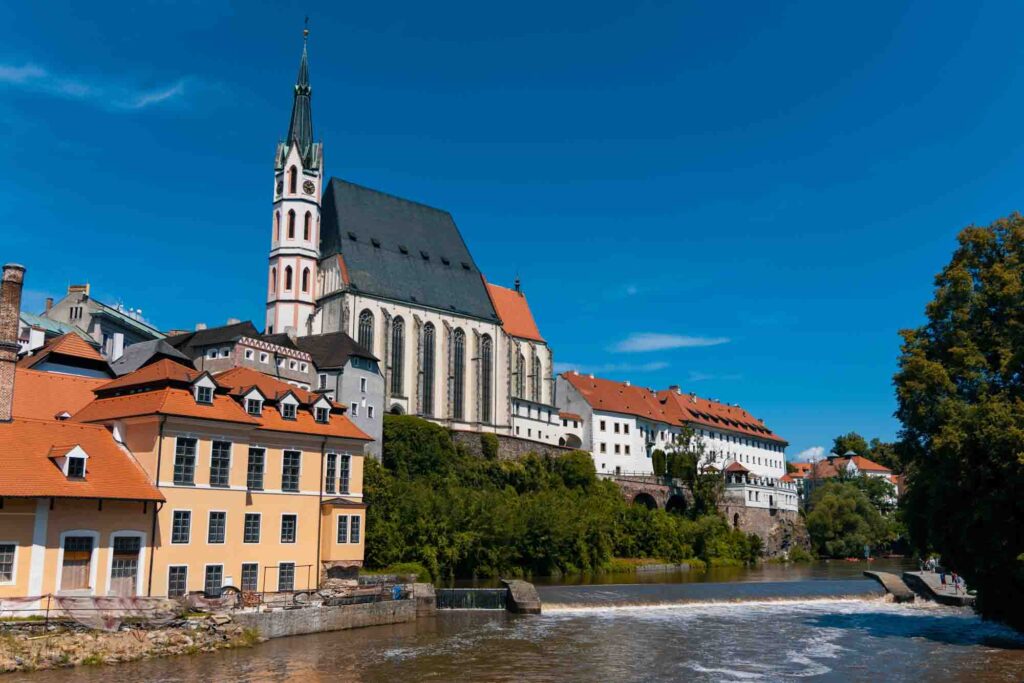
<point>297,622</point>
<point>509,447</point>
<point>780,529</point>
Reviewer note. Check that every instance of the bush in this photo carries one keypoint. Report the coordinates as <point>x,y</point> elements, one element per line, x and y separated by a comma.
<point>798,554</point>
<point>658,462</point>
<point>489,446</point>
<point>842,521</point>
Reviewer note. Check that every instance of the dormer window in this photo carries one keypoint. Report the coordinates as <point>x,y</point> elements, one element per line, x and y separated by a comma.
<point>254,406</point>
<point>288,411</point>
<point>76,468</point>
<point>204,395</point>
<point>323,415</point>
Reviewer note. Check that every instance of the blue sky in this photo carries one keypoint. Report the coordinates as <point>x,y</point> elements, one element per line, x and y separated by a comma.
<point>747,200</point>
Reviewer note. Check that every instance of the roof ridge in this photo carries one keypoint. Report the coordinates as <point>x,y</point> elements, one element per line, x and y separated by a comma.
<point>335,179</point>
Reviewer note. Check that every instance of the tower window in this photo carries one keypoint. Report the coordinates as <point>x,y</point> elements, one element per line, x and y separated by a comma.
<point>307,225</point>
<point>293,179</point>
<point>291,224</point>
<point>273,279</point>
<point>277,226</point>
<point>288,278</point>
<point>305,279</point>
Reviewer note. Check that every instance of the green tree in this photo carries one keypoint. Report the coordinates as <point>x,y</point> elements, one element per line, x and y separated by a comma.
<point>489,445</point>
<point>843,444</point>
<point>885,454</point>
<point>842,521</point>
<point>691,462</point>
<point>960,393</point>
<point>658,463</point>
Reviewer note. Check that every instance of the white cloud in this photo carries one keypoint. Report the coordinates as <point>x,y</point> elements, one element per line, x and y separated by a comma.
<point>640,342</point>
<point>653,366</point>
<point>108,95</point>
<point>811,454</point>
<point>696,376</point>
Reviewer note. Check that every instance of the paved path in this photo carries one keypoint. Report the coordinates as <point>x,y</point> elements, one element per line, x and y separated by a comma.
<point>893,585</point>
<point>929,585</point>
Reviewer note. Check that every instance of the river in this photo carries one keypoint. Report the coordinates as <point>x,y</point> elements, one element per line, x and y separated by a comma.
<point>821,622</point>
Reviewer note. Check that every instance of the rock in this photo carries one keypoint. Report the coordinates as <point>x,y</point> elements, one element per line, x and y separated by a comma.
<point>220,619</point>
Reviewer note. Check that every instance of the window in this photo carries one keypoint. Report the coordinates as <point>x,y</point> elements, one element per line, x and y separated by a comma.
<point>369,412</point>
<point>288,411</point>
<point>321,381</point>
<point>627,449</point>
<point>288,278</point>
<point>486,375</point>
<point>286,576</point>
<point>76,468</point>
<point>292,365</point>
<point>617,449</point>
<point>76,313</point>
<point>214,578</point>
<point>290,471</point>
<point>331,473</point>
<point>307,222</point>
<point>353,537</point>
<point>343,472</point>
<point>204,395</point>
<point>280,362</point>
<point>362,384</point>
<point>397,356</point>
<point>217,527</point>
<point>427,406</point>
<point>459,374</point>
<point>625,429</point>
<point>520,376</point>
<point>604,448</point>
<point>225,352</point>
<point>615,427</point>
<point>602,425</point>
<point>254,406</point>
<point>277,226</point>
<point>354,410</point>
<point>303,368</point>
<point>254,470</point>
<point>342,528</point>
<point>124,566</point>
<point>293,179</point>
<point>366,329</point>
<point>323,415</point>
<point>7,551</point>
<point>181,526</point>
<point>305,279</point>
<point>250,576</point>
<point>250,354</point>
<point>264,358</point>
<point>220,463</point>
<point>211,353</point>
<point>177,581</point>
<point>288,528</point>
<point>536,377</point>
<point>251,528</point>
<point>185,461</point>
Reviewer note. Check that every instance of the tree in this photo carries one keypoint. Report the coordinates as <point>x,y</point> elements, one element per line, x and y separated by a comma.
<point>843,444</point>
<point>960,397</point>
<point>842,521</point>
<point>658,462</point>
<point>694,465</point>
<point>885,454</point>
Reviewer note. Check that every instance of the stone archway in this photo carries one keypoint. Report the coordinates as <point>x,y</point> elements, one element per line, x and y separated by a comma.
<point>396,410</point>
<point>676,504</point>
<point>645,499</point>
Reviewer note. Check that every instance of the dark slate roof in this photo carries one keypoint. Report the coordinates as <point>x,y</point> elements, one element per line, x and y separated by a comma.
<point>332,350</point>
<point>282,339</point>
<point>144,353</point>
<point>214,335</point>
<point>401,250</point>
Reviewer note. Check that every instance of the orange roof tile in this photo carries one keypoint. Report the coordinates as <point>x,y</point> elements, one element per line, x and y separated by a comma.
<point>44,395</point>
<point>619,397</point>
<point>240,381</point>
<point>786,478</point>
<point>514,311</point>
<point>719,415</point>
<point>29,470</point>
<point>163,401</point>
<point>866,465</point>
<point>736,467</point>
<point>162,372</point>
<point>570,416</point>
<point>69,344</point>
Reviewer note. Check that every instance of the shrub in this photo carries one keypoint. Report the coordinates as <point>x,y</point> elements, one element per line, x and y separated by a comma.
<point>489,446</point>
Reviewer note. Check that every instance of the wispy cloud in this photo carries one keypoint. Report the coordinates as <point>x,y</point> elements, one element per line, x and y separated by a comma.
<point>811,454</point>
<point>696,376</point>
<point>108,95</point>
<point>640,342</point>
<point>653,366</point>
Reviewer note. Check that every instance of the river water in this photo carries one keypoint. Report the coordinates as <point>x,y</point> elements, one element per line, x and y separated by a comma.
<point>813,622</point>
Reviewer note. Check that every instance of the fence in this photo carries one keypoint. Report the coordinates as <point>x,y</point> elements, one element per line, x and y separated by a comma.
<point>105,613</point>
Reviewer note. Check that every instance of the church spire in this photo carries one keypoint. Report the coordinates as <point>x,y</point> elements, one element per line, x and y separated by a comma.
<point>300,129</point>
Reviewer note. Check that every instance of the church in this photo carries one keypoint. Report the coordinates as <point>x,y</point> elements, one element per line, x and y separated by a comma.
<point>397,276</point>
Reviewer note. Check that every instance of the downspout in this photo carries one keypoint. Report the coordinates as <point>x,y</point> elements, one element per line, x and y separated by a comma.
<point>156,506</point>
<point>320,511</point>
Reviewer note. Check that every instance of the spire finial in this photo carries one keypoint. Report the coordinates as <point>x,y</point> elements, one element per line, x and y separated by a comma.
<point>305,30</point>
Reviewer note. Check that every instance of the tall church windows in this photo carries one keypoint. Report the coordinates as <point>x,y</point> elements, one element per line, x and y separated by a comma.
<point>277,226</point>
<point>291,224</point>
<point>520,376</point>
<point>428,369</point>
<point>307,225</point>
<point>536,377</point>
<point>459,374</point>
<point>273,280</point>
<point>397,356</point>
<point>305,279</point>
<point>366,330</point>
<point>486,376</point>
<point>293,180</point>
<point>287,278</point>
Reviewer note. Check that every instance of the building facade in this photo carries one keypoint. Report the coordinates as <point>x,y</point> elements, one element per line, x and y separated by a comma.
<point>111,327</point>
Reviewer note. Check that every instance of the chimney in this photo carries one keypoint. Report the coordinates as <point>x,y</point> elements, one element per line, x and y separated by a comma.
<point>200,326</point>
<point>673,387</point>
<point>10,315</point>
<point>79,289</point>
<point>49,303</point>
<point>117,348</point>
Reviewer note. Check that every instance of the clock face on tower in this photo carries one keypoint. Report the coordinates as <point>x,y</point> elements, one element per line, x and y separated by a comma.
<point>308,187</point>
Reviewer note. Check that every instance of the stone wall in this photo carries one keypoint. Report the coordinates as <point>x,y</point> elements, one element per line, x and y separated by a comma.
<point>296,622</point>
<point>779,529</point>
<point>509,447</point>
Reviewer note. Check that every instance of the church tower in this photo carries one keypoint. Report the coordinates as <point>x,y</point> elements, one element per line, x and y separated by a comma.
<point>295,245</point>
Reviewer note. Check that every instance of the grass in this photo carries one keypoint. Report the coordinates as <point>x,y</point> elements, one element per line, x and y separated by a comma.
<point>94,660</point>
<point>631,564</point>
<point>402,569</point>
<point>248,638</point>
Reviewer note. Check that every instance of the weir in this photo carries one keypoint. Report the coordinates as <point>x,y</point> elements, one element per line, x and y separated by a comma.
<point>472,598</point>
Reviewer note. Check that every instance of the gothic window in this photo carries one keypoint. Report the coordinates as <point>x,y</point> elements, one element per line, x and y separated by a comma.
<point>287,278</point>
<point>293,179</point>
<point>366,330</point>
<point>397,356</point>
<point>306,226</point>
<point>305,279</point>
<point>291,224</point>
<point>428,369</point>
<point>521,376</point>
<point>458,374</point>
<point>486,372</point>
<point>536,377</point>
<point>277,226</point>
<point>273,280</point>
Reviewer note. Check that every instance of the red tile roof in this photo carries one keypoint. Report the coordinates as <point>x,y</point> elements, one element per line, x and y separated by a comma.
<point>787,478</point>
<point>163,401</point>
<point>570,416</point>
<point>802,468</point>
<point>701,411</point>
<point>27,467</point>
<point>44,395</point>
<point>736,467</point>
<point>165,371</point>
<point>514,311</point>
<point>239,381</point>
<point>865,465</point>
<point>69,344</point>
<point>619,397</point>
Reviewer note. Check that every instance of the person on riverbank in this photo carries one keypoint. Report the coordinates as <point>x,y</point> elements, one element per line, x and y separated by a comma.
<point>942,577</point>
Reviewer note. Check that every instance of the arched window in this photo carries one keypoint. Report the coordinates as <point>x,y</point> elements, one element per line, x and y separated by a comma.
<point>366,330</point>
<point>486,372</point>
<point>398,357</point>
<point>428,369</point>
<point>273,280</point>
<point>521,376</point>
<point>287,278</point>
<point>458,374</point>
<point>305,279</point>
<point>306,226</point>
<point>277,226</point>
<point>537,379</point>
<point>291,224</point>
<point>293,179</point>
